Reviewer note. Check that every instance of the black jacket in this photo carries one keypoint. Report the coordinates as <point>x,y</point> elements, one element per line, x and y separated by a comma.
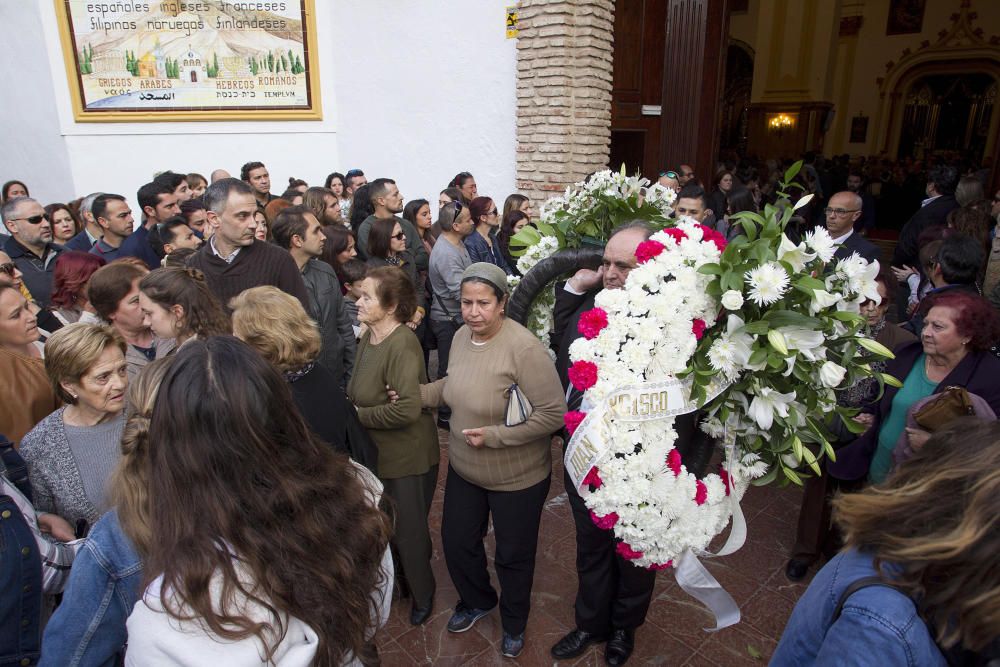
<point>935,213</point>
<point>856,243</point>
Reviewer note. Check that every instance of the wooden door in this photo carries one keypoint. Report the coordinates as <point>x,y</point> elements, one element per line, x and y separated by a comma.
<point>639,41</point>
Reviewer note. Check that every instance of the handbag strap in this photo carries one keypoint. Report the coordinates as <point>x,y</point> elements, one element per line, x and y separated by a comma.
<point>443,307</point>
<point>854,587</point>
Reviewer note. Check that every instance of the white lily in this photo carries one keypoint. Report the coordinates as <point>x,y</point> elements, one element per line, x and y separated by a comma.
<point>807,341</point>
<point>831,374</point>
<point>766,403</point>
<point>796,255</point>
<point>822,300</point>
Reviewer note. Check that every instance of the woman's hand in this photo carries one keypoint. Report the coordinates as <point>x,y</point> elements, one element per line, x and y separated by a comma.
<point>917,437</point>
<point>56,526</point>
<point>903,273</point>
<point>417,318</point>
<point>866,419</point>
<point>391,393</point>
<point>474,437</point>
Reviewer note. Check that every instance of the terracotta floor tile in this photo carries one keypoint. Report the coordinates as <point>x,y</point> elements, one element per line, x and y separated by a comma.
<point>431,643</point>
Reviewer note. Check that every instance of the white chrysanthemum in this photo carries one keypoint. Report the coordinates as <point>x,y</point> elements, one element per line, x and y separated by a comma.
<point>820,241</point>
<point>767,282</point>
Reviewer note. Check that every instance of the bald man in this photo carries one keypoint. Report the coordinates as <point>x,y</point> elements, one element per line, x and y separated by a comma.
<point>220,174</point>
<point>842,211</point>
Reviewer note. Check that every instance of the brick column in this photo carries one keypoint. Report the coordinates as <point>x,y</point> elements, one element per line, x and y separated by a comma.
<point>564,77</point>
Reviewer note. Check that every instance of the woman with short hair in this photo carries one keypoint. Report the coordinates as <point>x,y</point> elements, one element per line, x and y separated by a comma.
<point>177,303</point>
<point>71,453</point>
<point>495,469</point>
<point>113,292</point>
<point>277,326</point>
<point>263,544</point>
<point>953,351</point>
<point>918,583</point>
<point>69,286</point>
<point>390,355</point>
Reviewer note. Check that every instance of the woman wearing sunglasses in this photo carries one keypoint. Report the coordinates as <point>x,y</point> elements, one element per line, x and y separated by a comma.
<point>482,244</point>
<point>387,247</point>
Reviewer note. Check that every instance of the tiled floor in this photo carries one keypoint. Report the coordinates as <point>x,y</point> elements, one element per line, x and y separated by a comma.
<point>672,634</point>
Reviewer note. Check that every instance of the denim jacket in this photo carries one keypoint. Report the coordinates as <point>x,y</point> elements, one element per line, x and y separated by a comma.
<point>481,251</point>
<point>88,628</point>
<point>878,625</point>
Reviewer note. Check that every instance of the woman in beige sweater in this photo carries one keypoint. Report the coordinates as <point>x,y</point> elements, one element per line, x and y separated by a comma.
<point>493,468</point>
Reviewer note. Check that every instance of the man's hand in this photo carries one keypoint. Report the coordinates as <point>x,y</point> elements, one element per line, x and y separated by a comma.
<point>585,280</point>
<point>474,437</point>
<point>56,526</point>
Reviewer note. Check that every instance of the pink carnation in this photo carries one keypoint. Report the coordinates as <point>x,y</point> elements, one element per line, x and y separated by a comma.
<point>647,250</point>
<point>677,235</point>
<point>627,552</point>
<point>701,492</point>
<point>674,462</point>
<point>583,374</point>
<point>661,566</point>
<point>572,420</point>
<point>606,522</point>
<point>698,328</point>
<point>593,478</point>
<point>724,474</point>
<point>592,322</point>
<point>709,234</point>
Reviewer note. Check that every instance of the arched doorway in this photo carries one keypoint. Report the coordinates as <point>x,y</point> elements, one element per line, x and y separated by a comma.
<point>947,114</point>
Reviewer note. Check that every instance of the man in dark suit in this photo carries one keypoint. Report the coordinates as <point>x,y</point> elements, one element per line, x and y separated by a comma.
<point>934,210</point>
<point>613,595</point>
<point>842,212</point>
<point>856,184</point>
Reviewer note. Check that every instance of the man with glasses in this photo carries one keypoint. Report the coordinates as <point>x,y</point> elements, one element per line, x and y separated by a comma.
<point>30,245</point>
<point>159,201</point>
<point>115,218</point>
<point>685,175</point>
<point>842,211</point>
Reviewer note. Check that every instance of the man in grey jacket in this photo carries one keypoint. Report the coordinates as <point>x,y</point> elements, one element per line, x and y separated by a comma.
<point>297,230</point>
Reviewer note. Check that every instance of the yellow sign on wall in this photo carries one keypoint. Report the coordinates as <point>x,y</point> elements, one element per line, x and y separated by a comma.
<point>160,60</point>
<point>512,22</point>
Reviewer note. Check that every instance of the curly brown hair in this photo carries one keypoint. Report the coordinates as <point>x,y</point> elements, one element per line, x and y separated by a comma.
<point>935,519</point>
<point>229,444</point>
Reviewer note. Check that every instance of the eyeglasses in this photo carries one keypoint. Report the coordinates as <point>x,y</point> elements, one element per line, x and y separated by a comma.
<point>399,237</point>
<point>35,219</point>
<point>668,174</point>
<point>458,207</point>
<point>840,211</point>
<point>8,268</point>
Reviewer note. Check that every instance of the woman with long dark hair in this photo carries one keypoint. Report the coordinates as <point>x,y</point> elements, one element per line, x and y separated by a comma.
<point>263,544</point>
<point>511,224</point>
<point>919,582</point>
<point>361,207</point>
<point>466,184</point>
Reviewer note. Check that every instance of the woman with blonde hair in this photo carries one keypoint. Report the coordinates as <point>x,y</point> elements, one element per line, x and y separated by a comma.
<point>918,583</point>
<point>89,624</point>
<point>277,326</point>
<point>178,304</point>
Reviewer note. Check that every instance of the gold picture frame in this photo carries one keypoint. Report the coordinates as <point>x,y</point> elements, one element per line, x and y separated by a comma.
<point>119,70</point>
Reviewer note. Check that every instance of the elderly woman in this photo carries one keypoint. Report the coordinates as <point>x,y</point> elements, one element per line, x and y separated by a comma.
<point>815,536</point>
<point>71,453</point>
<point>953,350</point>
<point>69,286</point>
<point>494,469</point>
<point>389,354</point>
<point>919,583</point>
<point>276,325</point>
<point>26,396</point>
<point>113,292</point>
<point>177,303</point>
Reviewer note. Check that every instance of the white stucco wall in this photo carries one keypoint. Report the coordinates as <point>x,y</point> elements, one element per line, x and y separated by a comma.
<point>412,91</point>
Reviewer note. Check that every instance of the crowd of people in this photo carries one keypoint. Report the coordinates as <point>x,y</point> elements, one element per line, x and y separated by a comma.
<point>221,425</point>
